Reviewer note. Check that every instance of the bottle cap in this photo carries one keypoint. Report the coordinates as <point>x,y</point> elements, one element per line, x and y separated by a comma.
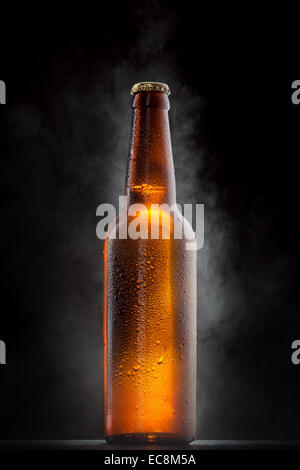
<point>150,86</point>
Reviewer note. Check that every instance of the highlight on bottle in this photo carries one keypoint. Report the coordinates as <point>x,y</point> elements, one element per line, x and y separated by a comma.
<point>154,221</point>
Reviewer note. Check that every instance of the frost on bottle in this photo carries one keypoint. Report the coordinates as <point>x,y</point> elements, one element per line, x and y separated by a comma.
<point>150,293</point>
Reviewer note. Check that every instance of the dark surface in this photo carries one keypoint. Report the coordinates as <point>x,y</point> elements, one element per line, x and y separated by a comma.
<point>102,445</point>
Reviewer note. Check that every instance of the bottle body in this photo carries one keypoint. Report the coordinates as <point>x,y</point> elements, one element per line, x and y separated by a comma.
<point>150,324</point>
<point>150,343</point>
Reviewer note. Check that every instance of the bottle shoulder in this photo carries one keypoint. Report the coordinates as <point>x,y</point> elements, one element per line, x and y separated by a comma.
<point>151,220</point>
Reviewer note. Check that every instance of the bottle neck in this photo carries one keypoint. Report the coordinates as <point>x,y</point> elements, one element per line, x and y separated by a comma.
<point>150,172</point>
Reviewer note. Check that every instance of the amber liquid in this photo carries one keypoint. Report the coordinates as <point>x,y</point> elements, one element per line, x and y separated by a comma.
<point>150,340</point>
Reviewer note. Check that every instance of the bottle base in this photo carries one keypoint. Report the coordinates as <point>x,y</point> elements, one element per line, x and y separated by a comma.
<point>148,438</point>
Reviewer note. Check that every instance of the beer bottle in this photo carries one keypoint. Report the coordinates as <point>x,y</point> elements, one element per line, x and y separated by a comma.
<point>150,293</point>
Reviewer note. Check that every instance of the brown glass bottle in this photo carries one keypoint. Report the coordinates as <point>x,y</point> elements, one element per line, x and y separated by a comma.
<point>150,296</point>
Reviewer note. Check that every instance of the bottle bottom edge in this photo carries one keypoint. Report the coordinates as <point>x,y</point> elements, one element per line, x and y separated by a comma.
<point>148,439</point>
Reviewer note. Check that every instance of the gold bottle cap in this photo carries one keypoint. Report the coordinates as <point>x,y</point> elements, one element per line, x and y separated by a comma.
<point>150,86</point>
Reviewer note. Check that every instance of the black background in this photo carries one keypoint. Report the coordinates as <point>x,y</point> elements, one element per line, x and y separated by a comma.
<point>63,136</point>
